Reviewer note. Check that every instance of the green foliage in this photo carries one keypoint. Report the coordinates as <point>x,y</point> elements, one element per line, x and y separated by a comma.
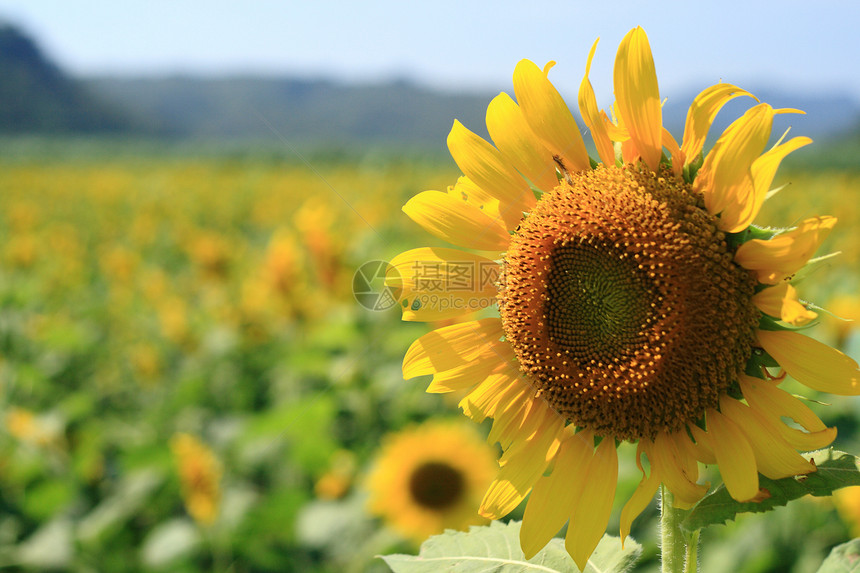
<point>835,470</point>
<point>496,547</point>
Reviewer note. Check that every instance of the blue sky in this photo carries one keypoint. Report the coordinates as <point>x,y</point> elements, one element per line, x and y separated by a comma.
<point>808,47</point>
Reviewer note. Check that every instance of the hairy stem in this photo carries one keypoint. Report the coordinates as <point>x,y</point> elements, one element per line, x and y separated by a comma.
<point>678,549</point>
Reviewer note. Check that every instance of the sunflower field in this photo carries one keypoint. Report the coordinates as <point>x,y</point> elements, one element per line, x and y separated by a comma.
<point>197,373</point>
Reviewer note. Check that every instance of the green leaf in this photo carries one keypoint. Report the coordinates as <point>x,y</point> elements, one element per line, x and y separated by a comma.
<point>843,558</point>
<point>835,470</point>
<point>497,548</point>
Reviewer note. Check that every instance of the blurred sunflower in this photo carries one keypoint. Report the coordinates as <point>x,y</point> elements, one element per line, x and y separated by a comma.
<point>430,478</point>
<point>200,476</point>
<point>847,502</point>
<point>637,301</point>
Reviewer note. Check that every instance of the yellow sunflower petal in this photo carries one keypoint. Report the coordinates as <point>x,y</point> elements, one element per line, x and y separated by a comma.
<point>775,458</point>
<point>725,178</point>
<point>675,151</point>
<point>466,190</point>
<point>545,420</point>
<point>762,171</point>
<point>484,165</point>
<point>554,497</point>
<point>781,302</point>
<point>812,363</point>
<point>806,441</point>
<point>677,471</point>
<point>518,143</point>
<point>453,346</point>
<point>638,96</point>
<point>616,130</point>
<point>592,117</point>
<point>498,389</point>
<point>767,397</point>
<point>701,115</point>
<point>704,452</point>
<point>457,222</point>
<point>591,513</point>
<point>469,374</point>
<point>517,426</point>
<point>516,422</point>
<point>438,283</point>
<point>548,115</point>
<point>522,470</point>
<point>764,168</point>
<point>735,456</point>
<point>641,497</point>
<point>773,403</point>
<point>783,255</point>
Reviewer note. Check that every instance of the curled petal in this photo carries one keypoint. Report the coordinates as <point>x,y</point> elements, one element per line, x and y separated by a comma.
<point>783,255</point>
<point>675,151</point>
<point>701,115</point>
<point>592,116</point>
<point>641,497</point>
<point>781,302</point>
<point>638,97</point>
<point>725,178</point>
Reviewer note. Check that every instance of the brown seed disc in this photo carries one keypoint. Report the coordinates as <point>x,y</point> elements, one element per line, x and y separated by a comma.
<point>436,486</point>
<point>623,305</point>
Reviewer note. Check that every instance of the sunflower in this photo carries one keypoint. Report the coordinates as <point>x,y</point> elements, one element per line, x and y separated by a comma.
<point>430,478</point>
<point>200,474</point>
<point>636,301</point>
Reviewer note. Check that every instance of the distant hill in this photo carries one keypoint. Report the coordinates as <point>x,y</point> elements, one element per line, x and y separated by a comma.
<point>293,109</point>
<point>398,112</point>
<point>36,97</point>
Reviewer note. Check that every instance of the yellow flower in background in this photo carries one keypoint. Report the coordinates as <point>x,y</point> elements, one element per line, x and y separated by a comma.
<point>26,426</point>
<point>847,310</point>
<point>337,480</point>
<point>847,502</point>
<point>637,303</point>
<point>200,475</point>
<point>430,478</point>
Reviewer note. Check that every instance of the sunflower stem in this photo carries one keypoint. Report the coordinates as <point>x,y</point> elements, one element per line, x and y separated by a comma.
<point>692,552</point>
<point>677,548</point>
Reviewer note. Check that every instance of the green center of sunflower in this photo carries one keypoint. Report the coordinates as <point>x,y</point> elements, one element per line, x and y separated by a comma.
<point>623,304</point>
<point>436,486</point>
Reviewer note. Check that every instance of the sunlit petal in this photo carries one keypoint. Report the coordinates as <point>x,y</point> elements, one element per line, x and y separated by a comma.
<point>638,97</point>
<point>548,115</point>
<point>518,144</point>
